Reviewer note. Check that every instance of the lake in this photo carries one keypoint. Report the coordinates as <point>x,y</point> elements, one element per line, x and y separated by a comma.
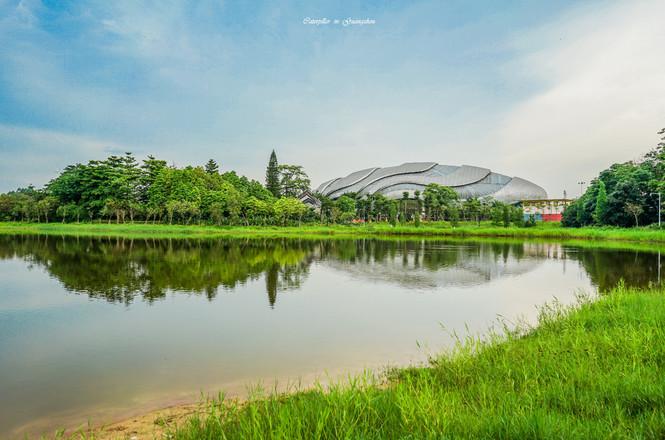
<point>102,327</point>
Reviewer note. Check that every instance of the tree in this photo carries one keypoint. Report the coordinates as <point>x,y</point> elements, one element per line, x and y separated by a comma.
<point>255,210</point>
<point>223,202</point>
<point>392,212</point>
<point>45,206</point>
<point>63,212</point>
<point>472,209</point>
<point>380,207</point>
<point>601,204</point>
<point>438,199</point>
<point>123,184</point>
<point>211,167</point>
<point>346,209</point>
<point>505,215</point>
<point>289,208</point>
<point>404,202</point>
<point>635,210</point>
<point>6,206</point>
<point>453,215</point>
<point>502,214</point>
<point>272,175</point>
<point>216,212</point>
<point>151,168</point>
<point>293,180</point>
<point>327,210</point>
<point>570,216</point>
<point>419,208</point>
<point>153,211</point>
<point>486,208</point>
<point>188,210</point>
<point>516,215</point>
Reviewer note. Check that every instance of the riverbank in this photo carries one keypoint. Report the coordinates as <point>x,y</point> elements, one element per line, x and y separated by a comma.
<point>595,371</point>
<point>439,229</point>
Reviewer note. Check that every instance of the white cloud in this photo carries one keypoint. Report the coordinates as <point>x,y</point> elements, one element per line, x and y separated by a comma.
<point>33,156</point>
<point>603,99</point>
<point>25,11</point>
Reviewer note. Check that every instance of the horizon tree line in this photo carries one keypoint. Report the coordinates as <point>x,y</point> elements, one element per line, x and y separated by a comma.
<point>121,189</point>
<point>625,194</point>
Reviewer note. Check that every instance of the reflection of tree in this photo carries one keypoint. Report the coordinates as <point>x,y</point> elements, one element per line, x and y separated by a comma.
<point>120,269</point>
<point>272,276</point>
<point>606,267</point>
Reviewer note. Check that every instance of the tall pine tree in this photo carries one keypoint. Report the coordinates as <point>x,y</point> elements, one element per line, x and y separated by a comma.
<point>272,175</point>
<point>212,167</point>
<point>601,204</point>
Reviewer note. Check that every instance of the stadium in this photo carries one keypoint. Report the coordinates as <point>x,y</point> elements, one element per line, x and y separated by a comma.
<point>468,181</point>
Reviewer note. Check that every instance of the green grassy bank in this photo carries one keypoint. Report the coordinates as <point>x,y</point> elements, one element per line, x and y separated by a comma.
<point>440,229</point>
<point>595,371</point>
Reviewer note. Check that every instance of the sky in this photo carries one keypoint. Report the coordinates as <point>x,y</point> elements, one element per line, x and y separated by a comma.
<point>551,91</point>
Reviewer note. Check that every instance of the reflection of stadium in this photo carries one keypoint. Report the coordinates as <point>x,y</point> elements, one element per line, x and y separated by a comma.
<point>435,265</point>
<point>468,181</point>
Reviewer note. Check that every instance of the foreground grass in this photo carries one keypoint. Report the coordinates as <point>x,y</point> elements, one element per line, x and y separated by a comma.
<point>439,229</point>
<point>596,371</point>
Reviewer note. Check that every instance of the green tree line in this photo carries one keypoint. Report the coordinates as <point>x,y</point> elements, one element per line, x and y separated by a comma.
<point>120,189</point>
<point>625,194</point>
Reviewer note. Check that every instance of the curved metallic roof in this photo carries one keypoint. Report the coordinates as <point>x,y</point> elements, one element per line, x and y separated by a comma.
<point>520,189</point>
<point>469,181</point>
<point>366,185</point>
<point>324,186</point>
<point>350,180</point>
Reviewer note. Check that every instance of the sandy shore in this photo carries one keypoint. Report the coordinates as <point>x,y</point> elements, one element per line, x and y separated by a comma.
<point>147,426</point>
<point>150,425</point>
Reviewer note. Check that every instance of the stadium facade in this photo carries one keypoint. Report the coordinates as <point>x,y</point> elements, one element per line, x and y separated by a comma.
<point>468,181</point>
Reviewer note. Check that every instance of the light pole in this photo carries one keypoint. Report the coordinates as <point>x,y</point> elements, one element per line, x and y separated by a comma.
<point>659,205</point>
<point>581,184</point>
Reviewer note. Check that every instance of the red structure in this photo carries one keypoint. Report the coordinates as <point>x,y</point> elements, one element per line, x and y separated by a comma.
<point>552,217</point>
<point>545,210</point>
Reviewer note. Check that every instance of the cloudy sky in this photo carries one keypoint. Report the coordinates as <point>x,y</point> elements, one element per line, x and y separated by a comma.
<point>552,91</point>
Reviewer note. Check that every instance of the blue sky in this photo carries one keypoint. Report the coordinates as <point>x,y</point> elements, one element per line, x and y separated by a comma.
<point>552,91</point>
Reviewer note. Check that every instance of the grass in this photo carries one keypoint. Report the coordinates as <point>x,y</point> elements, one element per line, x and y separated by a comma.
<point>593,371</point>
<point>439,229</point>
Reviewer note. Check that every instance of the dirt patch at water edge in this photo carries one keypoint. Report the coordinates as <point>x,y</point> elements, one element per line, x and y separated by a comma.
<point>150,425</point>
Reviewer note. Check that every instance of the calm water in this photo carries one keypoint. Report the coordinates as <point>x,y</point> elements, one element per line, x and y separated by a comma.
<point>99,327</point>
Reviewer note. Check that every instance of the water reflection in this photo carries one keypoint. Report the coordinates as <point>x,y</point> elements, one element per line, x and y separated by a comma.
<point>429,265</point>
<point>208,315</point>
<point>607,267</point>
<point>119,270</point>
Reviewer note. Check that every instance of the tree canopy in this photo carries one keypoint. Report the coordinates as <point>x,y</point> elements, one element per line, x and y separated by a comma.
<point>625,194</point>
<point>120,189</point>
